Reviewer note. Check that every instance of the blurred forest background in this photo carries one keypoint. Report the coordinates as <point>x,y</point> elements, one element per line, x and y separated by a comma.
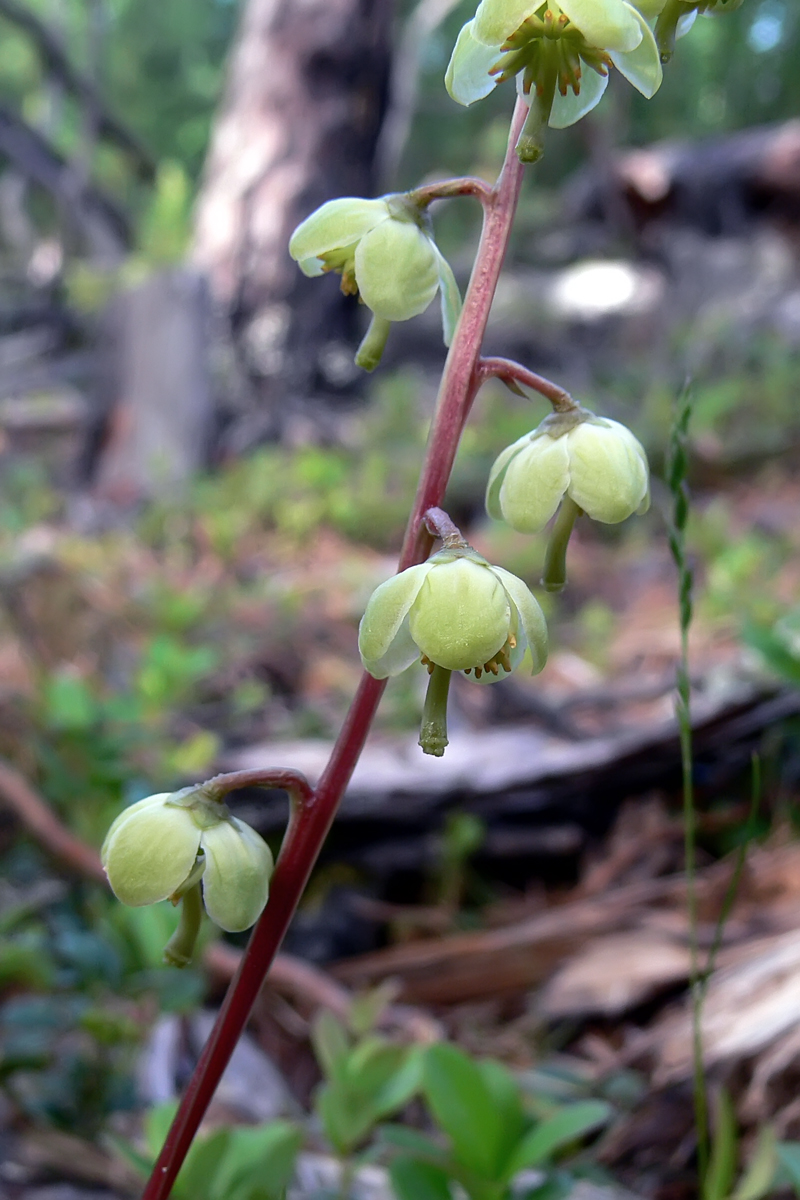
<point>199,492</point>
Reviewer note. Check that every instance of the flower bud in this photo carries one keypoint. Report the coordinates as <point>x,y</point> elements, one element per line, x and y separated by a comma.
<point>158,849</point>
<point>457,612</point>
<point>596,462</point>
<point>384,251</point>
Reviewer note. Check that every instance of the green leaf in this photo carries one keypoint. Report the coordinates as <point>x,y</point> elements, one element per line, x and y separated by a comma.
<point>366,1009</point>
<point>196,1178</point>
<point>331,1044</point>
<point>346,1118</point>
<point>259,1161</point>
<point>415,1143</point>
<point>506,1098</point>
<point>758,1178</point>
<point>156,1126</point>
<point>69,704</point>
<point>774,651</point>
<point>391,1077</point>
<point>722,1166</point>
<point>464,1107</point>
<point>565,1126</point>
<point>413,1180</point>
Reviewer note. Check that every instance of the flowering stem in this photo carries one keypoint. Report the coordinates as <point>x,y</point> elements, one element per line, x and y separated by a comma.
<point>293,782</point>
<point>313,813</point>
<point>512,374</point>
<point>441,526</point>
<point>450,188</point>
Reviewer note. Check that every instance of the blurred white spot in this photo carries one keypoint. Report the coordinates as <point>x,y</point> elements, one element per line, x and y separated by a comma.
<point>766,30</point>
<point>590,290</point>
<point>45,262</point>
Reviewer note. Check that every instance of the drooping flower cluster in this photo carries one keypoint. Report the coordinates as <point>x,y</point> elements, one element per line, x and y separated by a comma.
<point>385,253</point>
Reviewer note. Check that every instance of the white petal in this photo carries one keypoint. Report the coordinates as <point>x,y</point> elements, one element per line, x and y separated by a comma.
<point>385,622</point>
<point>467,78</point>
<point>450,297</point>
<point>642,66</point>
<point>397,270</point>
<point>535,481</point>
<point>236,879</point>
<point>531,617</point>
<point>686,23</point>
<point>495,20</point>
<point>312,267</point>
<point>498,474</point>
<point>608,470</point>
<point>607,24</point>
<point>155,801</point>
<point>151,852</point>
<point>461,616</point>
<point>336,224</point>
<point>568,109</point>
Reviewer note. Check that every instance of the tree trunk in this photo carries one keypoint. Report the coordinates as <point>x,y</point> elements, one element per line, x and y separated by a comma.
<point>298,126</point>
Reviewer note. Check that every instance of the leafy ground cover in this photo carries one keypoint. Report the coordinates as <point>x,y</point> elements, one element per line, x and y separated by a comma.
<point>134,656</point>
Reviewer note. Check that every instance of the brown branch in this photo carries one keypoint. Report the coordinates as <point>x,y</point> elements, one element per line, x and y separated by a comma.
<point>28,806</point>
<point>56,61</point>
<point>512,374</point>
<point>36,159</point>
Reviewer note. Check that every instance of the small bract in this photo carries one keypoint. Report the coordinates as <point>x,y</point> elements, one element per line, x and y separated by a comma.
<point>458,613</point>
<point>155,846</point>
<point>595,461</point>
<point>384,251</point>
<point>560,53</point>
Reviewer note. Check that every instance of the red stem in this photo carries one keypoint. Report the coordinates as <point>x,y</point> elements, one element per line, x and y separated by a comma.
<point>511,372</point>
<point>311,820</point>
<point>293,782</point>
<point>449,188</point>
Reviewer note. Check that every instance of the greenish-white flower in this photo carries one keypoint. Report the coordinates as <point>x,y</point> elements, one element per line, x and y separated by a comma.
<point>384,251</point>
<point>456,612</point>
<point>157,847</point>
<point>559,52</point>
<point>594,461</point>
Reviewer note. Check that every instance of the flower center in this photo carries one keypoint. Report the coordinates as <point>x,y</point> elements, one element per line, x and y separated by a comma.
<point>342,260</point>
<point>547,47</point>
<point>501,659</point>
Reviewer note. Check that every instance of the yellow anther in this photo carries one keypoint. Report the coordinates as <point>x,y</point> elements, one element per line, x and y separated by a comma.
<point>512,641</point>
<point>478,672</point>
<point>467,670</point>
